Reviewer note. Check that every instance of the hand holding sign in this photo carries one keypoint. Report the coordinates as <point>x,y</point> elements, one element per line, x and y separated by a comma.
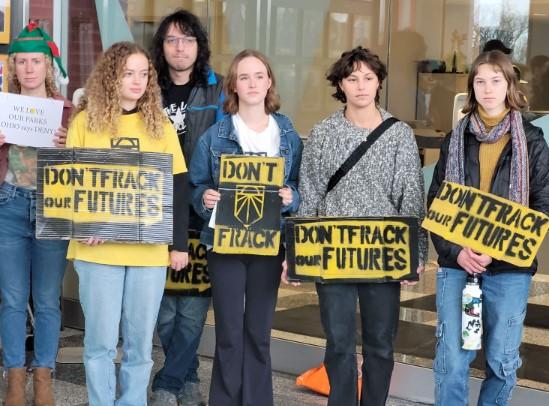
<point>2,139</point>
<point>60,137</point>
<point>93,241</point>
<point>178,260</point>
<point>284,276</point>
<point>210,198</point>
<point>473,262</point>
<point>419,271</point>
<point>286,194</point>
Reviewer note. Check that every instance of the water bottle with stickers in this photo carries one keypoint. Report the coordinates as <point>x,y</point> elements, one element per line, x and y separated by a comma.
<point>471,316</point>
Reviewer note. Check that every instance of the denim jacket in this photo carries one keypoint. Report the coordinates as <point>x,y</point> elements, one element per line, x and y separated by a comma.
<point>221,138</point>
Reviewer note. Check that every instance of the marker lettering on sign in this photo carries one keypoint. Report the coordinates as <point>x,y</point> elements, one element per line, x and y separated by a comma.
<point>63,176</point>
<point>118,179</point>
<point>313,234</point>
<point>244,238</point>
<point>373,259</point>
<point>247,170</point>
<point>116,203</point>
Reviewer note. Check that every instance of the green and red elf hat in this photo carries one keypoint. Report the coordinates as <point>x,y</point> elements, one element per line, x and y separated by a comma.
<point>35,39</point>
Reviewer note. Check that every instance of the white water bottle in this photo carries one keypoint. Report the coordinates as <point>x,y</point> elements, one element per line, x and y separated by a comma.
<point>471,314</point>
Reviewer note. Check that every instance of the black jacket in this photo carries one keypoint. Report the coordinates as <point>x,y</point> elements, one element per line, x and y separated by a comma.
<point>538,160</point>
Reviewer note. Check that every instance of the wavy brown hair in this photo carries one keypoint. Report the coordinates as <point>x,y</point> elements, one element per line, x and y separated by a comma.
<point>101,99</point>
<point>15,85</point>
<point>272,100</point>
<point>501,63</point>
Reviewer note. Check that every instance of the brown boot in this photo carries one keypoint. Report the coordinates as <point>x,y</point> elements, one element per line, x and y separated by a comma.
<point>17,379</point>
<point>43,393</point>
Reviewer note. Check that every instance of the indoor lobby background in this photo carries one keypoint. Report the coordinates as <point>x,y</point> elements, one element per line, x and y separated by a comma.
<point>428,46</point>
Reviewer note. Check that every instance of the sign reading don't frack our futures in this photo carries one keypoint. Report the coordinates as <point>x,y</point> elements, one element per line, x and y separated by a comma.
<point>486,223</point>
<point>248,215</point>
<point>352,249</point>
<point>115,195</point>
<point>29,121</point>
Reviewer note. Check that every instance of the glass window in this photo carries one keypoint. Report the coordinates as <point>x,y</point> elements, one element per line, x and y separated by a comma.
<point>429,46</point>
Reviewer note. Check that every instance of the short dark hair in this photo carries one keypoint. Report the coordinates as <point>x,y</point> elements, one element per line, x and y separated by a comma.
<point>350,62</point>
<point>496,45</point>
<point>189,24</point>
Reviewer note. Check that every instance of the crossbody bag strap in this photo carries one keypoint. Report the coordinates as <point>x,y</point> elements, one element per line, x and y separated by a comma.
<point>359,152</point>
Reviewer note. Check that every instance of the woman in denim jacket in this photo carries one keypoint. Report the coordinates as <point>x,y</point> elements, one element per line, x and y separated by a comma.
<point>244,286</point>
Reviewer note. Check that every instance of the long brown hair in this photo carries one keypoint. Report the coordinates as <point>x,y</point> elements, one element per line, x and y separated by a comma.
<point>272,101</point>
<point>501,63</point>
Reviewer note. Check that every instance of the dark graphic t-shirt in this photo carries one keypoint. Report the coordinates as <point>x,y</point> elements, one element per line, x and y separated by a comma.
<point>175,106</point>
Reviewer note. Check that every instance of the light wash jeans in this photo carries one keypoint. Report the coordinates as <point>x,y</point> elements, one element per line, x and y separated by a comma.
<point>505,296</point>
<point>26,261</point>
<point>180,323</point>
<point>113,297</point>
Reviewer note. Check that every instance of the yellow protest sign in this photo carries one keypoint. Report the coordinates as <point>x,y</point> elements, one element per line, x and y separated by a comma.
<point>349,249</point>
<point>102,193</point>
<point>117,195</point>
<point>248,215</point>
<point>193,280</point>
<point>486,223</point>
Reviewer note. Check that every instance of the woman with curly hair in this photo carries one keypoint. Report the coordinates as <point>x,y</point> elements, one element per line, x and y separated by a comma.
<point>27,264</point>
<point>121,285</point>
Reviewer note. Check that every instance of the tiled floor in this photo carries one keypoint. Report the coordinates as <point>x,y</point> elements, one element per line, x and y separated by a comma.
<point>70,386</point>
<point>418,319</point>
<point>415,340</point>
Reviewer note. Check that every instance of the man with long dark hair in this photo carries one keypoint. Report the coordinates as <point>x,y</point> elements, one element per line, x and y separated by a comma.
<point>192,97</point>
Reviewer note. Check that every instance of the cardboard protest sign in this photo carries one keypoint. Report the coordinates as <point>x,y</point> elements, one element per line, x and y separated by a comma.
<point>248,214</point>
<point>194,279</point>
<point>113,194</point>
<point>352,249</point>
<point>486,223</point>
<point>29,121</point>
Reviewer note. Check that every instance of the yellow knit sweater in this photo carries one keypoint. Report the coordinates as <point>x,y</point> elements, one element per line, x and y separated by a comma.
<point>489,154</point>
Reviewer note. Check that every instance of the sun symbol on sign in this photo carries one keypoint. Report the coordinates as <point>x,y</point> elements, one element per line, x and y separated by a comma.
<point>33,110</point>
<point>249,201</point>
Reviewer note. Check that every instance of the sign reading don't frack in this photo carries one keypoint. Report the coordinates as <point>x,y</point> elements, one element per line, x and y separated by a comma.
<point>248,215</point>
<point>486,223</point>
<point>115,195</point>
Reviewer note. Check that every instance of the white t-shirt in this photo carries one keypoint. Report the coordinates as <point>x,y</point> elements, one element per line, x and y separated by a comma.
<point>266,142</point>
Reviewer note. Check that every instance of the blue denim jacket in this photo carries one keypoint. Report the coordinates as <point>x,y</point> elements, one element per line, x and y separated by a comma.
<point>221,138</point>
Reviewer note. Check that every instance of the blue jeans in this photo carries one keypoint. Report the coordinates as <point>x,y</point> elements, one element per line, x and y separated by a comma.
<point>180,323</point>
<point>26,262</point>
<point>114,299</point>
<point>505,296</point>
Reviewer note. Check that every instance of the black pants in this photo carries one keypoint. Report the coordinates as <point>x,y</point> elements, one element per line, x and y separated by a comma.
<point>244,293</point>
<point>379,313</point>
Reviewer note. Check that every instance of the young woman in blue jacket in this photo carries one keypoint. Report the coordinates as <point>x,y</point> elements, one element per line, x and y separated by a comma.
<point>244,286</point>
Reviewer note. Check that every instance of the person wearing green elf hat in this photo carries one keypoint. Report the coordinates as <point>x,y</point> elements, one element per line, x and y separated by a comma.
<point>24,258</point>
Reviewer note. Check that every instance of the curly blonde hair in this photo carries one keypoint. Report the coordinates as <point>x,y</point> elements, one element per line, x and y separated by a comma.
<point>101,99</point>
<point>15,86</point>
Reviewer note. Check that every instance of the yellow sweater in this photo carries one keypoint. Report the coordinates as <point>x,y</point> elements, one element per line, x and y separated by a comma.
<point>489,154</point>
